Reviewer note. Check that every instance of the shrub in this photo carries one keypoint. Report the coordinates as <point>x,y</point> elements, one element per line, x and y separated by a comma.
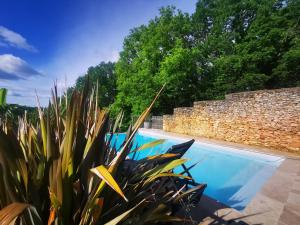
<point>66,171</point>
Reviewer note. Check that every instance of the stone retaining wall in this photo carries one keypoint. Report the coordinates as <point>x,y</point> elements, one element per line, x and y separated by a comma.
<point>269,118</point>
<point>157,122</point>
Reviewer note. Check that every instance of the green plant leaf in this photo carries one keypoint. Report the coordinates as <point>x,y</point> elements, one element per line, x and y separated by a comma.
<point>150,145</point>
<point>164,167</point>
<point>105,175</point>
<point>152,178</point>
<point>161,156</point>
<point>3,94</point>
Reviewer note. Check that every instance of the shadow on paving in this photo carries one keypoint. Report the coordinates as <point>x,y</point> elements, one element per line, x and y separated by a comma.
<point>212,212</point>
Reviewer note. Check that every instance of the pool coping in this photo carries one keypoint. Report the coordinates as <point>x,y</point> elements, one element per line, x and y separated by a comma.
<point>238,146</point>
<point>278,201</point>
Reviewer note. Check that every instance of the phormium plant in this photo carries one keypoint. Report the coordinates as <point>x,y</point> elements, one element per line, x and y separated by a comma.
<point>65,170</point>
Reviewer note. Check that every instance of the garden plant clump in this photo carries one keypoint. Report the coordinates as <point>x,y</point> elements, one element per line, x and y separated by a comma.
<point>65,170</point>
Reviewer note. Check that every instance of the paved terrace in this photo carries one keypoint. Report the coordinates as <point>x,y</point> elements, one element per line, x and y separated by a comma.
<point>278,202</point>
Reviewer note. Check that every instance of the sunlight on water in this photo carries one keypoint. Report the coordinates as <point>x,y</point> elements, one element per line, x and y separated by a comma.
<point>232,177</point>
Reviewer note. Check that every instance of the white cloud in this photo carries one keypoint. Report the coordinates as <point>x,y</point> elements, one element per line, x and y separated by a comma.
<point>23,92</point>
<point>11,38</point>
<point>15,68</point>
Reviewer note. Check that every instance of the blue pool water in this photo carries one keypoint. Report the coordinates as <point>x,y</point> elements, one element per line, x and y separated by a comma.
<point>232,176</point>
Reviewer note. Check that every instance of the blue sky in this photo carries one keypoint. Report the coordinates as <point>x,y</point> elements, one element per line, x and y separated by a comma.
<point>47,40</point>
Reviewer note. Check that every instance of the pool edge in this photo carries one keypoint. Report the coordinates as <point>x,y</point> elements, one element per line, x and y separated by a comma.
<point>210,143</point>
<point>272,203</point>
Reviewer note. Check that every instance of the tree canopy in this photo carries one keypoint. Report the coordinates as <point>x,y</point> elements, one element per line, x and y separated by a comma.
<point>225,46</point>
<point>104,76</point>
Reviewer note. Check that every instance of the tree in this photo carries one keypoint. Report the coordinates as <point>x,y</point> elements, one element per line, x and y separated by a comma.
<point>249,44</point>
<point>144,64</point>
<point>225,46</point>
<point>104,76</point>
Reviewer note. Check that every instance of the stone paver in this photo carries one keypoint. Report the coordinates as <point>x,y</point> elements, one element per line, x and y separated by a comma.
<point>289,217</point>
<point>279,187</point>
<point>265,210</point>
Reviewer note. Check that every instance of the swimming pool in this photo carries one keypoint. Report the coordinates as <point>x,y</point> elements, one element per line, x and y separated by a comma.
<point>232,176</point>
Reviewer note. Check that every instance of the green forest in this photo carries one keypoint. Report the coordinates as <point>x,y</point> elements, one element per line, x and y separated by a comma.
<point>225,46</point>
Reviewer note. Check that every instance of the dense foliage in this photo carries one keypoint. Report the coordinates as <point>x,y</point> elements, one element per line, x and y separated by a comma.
<point>103,76</point>
<point>225,46</point>
<point>153,55</point>
<point>12,112</point>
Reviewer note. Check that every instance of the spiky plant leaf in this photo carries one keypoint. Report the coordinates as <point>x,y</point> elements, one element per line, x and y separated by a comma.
<point>105,175</point>
<point>150,145</point>
<point>48,164</point>
<point>11,212</point>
